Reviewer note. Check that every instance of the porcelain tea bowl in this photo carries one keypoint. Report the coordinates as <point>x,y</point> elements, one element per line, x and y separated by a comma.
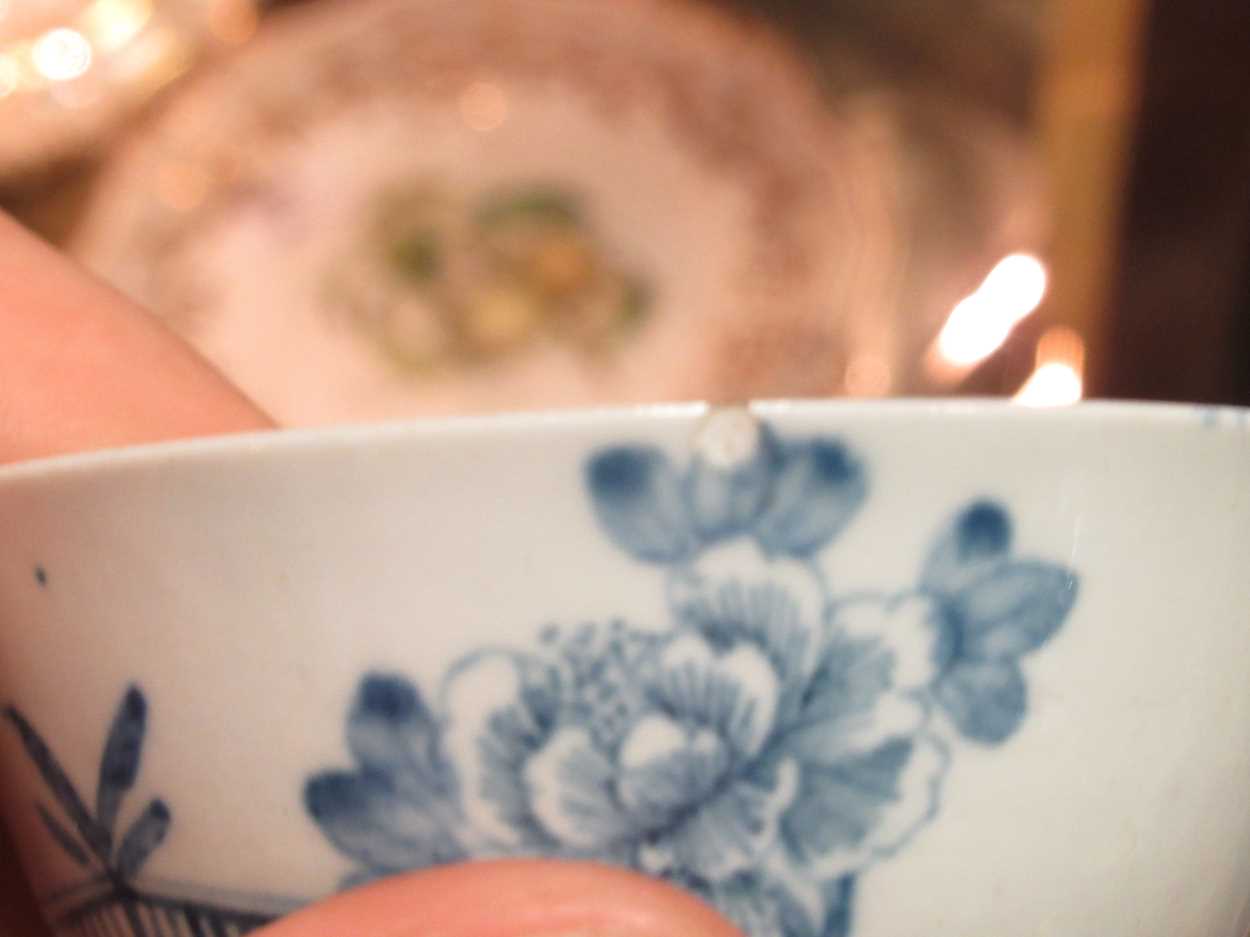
<point>875,669</point>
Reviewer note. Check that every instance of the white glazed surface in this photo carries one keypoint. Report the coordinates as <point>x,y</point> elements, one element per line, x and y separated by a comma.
<point>246,585</point>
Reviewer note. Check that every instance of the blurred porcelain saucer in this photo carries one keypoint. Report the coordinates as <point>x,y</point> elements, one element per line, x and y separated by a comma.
<point>401,207</point>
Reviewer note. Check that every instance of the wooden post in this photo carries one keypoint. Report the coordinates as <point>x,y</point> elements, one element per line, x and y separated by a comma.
<point>1087,103</point>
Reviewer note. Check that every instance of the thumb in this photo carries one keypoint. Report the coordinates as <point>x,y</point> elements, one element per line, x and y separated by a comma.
<point>511,898</point>
<point>81,368</point>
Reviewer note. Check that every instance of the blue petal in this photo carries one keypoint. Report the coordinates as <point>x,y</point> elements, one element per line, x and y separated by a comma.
<point>986,700</point>
<point>729,833</point>
<point>977,540</point>
<point>365,819</point>
<point>639,503</point>
<point>858,810</point>
<point>392,733</point>
<point>735,694</point>
<point>571,788</point>
<point>734,594</point>
<point>840,701</point>
<point>1013,610</point>
<point>818,487</point>
<point>849,678</point>
<point>839,805</point>
<point>664,768</point>
<point>723,501</point>
<point>500,710</point>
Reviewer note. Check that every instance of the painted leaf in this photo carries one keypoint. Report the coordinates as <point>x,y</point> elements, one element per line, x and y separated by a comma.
<point>1014,610</point>
<point>119,767</point>
<point>365,818</point>
<point>839,704</point>
<point>91,833</point>
<point>639,502</point>
<point>64,838</point>
<point>392,733</point>
<point>978,539</point>
<point>839,805</point>
<point>142,839</point>
<point>818,489</point>
<point>985,699</point>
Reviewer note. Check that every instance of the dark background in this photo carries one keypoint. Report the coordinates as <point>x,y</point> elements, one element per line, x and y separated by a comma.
<point>1180,312</point>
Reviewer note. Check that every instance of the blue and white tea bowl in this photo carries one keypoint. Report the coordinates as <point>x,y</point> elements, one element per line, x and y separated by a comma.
<point>874,669</point>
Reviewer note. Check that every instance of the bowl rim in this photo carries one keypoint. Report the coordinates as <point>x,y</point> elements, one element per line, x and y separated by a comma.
<point>1217,419</point>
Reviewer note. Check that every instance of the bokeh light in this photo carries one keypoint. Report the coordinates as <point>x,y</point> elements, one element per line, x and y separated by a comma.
<point>1058,379</point>
<point>61,54</point>
<point>981,322</point>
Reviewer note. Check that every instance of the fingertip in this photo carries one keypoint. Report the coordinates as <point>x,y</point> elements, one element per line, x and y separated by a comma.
<point>511,898</point>
<point>82,368</point>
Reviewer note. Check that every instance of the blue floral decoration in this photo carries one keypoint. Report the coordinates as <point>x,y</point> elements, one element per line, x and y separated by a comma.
<point>107,895</point>
<point>763,748</point>
<point>995,609</point>
<point>90,839</point>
